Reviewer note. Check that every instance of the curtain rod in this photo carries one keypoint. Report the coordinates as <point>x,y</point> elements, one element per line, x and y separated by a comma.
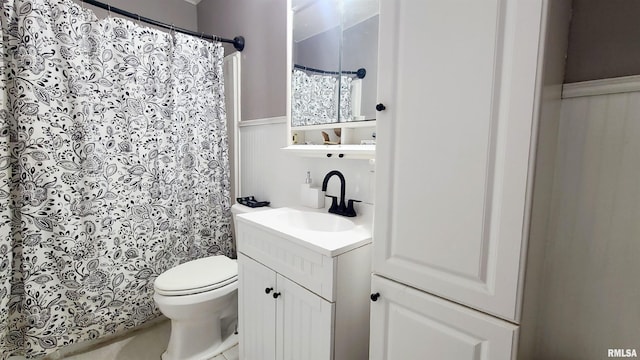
<point>360,73</point>
<point>238,41</point>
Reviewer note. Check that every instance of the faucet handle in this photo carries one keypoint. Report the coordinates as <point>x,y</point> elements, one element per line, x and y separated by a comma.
<point>351,212</point>
<point>334,203</point>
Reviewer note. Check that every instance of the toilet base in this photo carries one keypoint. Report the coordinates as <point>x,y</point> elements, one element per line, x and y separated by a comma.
<point>228,343</point>
<point>230,340</point>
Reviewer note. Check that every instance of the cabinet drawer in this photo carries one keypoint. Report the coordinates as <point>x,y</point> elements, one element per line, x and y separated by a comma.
<point>306,267</point>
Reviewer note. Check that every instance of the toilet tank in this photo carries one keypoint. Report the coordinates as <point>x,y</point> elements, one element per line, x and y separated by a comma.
<point>242,209</point>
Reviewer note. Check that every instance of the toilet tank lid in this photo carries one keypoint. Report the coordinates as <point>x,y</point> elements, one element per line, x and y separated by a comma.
<point>198,273</point>
<point>242,209</point>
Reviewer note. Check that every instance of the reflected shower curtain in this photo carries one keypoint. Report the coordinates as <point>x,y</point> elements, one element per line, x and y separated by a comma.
<point>113,169</point>
<point>315,99</point>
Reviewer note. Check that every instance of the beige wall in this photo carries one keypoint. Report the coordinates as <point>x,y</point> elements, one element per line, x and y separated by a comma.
<point>604,40</point>
<point>263,23</point>
<point>180,13</point>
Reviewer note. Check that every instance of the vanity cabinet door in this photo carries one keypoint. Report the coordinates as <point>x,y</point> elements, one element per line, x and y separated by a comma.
<point>305,323</point>
<point>287,323</point>
<point>416,325</point>
<point>458,80</point>
<point>256,310</point>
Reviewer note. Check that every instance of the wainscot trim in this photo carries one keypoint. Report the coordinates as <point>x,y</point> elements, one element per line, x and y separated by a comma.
<point>264,121</point>
<point>616,85</point>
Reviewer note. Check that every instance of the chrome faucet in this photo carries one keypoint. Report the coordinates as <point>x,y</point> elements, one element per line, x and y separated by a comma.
<point>339,208</point>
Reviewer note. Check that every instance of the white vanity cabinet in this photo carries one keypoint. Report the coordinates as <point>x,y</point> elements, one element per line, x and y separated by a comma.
<point>293,324</point>
<point>298,301</point>
<point>458,80</point>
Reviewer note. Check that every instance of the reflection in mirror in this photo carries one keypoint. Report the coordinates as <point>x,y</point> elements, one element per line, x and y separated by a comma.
<point>331,83</point>
<point>360,50</point>
<point>316,58</point>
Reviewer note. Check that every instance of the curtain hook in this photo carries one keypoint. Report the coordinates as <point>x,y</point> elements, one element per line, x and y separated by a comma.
<point>109,8</point>
<point>172,30</point>
<point>201,35</point>
<point>138,19</point>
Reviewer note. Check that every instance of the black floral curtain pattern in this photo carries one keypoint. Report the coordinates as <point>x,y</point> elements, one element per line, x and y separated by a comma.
<point>314,99</point>
<point>113,168</point>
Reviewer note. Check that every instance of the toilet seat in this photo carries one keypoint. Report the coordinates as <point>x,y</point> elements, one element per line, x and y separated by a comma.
<point>197,276</point>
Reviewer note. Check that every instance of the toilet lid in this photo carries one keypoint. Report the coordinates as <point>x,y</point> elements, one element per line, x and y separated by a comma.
<point>197,276</point>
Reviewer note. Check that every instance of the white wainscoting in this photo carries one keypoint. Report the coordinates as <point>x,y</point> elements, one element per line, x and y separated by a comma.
<point>272,174</point>
<point>590,287</point>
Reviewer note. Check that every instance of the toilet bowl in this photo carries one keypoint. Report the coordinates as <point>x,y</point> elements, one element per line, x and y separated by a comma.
<point>200,298</point>
<point>196,296</point>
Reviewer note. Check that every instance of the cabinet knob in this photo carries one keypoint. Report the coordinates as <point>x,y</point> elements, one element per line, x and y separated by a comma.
<point>268,290</point>
<point>380,107</point>
<point>374,297</point>
<point>275,295</point>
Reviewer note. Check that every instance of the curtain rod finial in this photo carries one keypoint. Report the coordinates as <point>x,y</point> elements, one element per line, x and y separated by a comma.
<point>238,43</point>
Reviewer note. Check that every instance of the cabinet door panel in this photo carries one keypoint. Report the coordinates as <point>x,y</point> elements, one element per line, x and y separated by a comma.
<point>257,310</point>
<point>410,324</point>
<point>458,81</point>
<point>305,323</point>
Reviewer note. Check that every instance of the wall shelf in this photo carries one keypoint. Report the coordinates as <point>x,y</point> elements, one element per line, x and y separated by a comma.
<point>307,140</point>
<point>344,125</point>
<point>334,151</point>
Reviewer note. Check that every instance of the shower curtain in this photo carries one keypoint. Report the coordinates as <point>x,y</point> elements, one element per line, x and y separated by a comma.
<point>113,168</point>
<point>315,99</point>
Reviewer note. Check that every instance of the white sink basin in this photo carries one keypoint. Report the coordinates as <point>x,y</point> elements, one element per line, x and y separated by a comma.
<point>318,221</point>
<point>328,234</point>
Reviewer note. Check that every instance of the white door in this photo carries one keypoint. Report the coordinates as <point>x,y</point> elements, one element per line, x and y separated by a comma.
<point>256,310</point>
<point>458,81</point>
<point>305,323</point>
<point>409,324</point>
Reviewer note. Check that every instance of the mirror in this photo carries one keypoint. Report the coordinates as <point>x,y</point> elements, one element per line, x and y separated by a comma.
<point>334,55</point>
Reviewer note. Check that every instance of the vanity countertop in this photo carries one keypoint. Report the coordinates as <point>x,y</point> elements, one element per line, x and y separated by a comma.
<point>285,222</point>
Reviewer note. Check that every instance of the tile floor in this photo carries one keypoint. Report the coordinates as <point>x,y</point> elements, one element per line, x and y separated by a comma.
<point>231,354</point>
<point>146,344</point>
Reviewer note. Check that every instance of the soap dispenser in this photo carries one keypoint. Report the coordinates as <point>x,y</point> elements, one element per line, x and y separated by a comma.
<point>311,196</point>
<point>308,181</point>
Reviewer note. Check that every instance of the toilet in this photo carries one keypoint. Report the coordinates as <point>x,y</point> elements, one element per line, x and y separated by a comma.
<point>200,298</point>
